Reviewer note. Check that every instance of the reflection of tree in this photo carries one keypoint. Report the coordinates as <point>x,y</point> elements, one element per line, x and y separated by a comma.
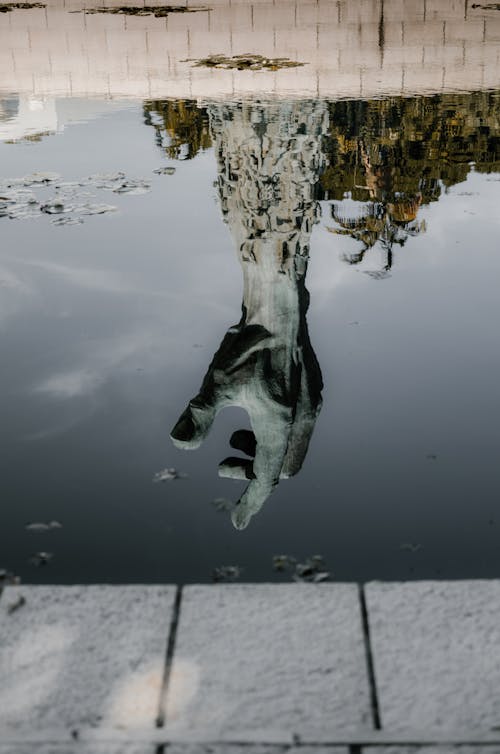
<point>269,161</point>
<point>391,156</point>
<point>380,223</point>
<point>181,127</point>
<point>415,145</point>
<point>388,157</point>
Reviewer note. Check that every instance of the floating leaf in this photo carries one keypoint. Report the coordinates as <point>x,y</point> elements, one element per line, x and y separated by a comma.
<point>38,178</point>
<point>8,578</point>
<point>312,570</point>
<point>134,187</point>
<point>67,220</point>
<point>410,546</point>
<point>96,209</point>
<point>41,558</point>
<point>283,562</point>
<point>223,504</point>
<point>168,475</point>
<point>226,573</point>
<point>39,526</point>
<point>167,170</point>
<point>55,207</point>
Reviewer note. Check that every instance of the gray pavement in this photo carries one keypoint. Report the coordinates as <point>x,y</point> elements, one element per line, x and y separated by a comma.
<point>251,669</point>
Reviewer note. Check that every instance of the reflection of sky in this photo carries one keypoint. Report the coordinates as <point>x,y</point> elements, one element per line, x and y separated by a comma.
<point>107,329</point>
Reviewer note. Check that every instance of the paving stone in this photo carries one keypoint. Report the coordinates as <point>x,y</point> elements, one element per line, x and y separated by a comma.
<point>79,656</point>
<point>318,750</point>
<point>246,749</point>
<point>225,749</point>
<point>493,749</point>
<point>124,748</point>
<point>436,648</point>
<point>270,658</point>
<point>78,748</point>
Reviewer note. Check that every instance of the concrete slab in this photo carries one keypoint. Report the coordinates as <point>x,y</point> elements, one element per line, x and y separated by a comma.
<point>436,649</point>
<point>251,749</point>
<point>124,748</point>
<point>267,657</point>
<point>78,749</point>
<point>431,749</point>
<point>82,656</point>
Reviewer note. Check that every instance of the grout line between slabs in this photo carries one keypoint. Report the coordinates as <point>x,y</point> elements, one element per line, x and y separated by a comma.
<point>370,665</point>
<point>169,658</point>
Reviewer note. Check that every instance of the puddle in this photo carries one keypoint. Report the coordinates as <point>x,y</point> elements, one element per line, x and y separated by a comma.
<point>256,317</point>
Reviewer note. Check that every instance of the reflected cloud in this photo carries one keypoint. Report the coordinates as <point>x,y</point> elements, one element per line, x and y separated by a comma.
<point>269,160</point>
<point>70,384</point>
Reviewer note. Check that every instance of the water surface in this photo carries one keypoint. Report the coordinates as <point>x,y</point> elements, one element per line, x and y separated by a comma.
<point>330,269</point>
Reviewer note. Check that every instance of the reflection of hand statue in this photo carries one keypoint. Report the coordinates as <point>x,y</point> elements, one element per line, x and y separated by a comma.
<point>269,162</point>
<point>278,382</point>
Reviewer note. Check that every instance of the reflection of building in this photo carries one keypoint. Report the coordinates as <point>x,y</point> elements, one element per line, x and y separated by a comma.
<point>377,224</point>
<point>269,161</point>
<point>31,118</point>
<point>26,118</point>
<point>411,146</point>
<point>181,126</point>
<point>389,157</point>
<point>384,159</point>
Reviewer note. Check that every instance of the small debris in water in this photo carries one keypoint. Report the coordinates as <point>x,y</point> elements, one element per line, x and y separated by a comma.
<point>8,579</point>
<point>41,558</point>
<point>247,62</point>
<point>119,183</point>
<point>431,456</point>
<point>35,179</point>
<point>164,171</point>
<point>97,209</point>
<point>19,202</point>
<point>283,562</point>
<point>226,573</point>
<point>158,11</point>
<point>223,504</point>
<point>377,274</point>
<point>134,187</point>
<point>39,526</point>
<point>13,606</point>
<point>354,323</point>
<point>8,7</point>
<point>68,185</point>
<point>67,220</point>
<point>168,475</point>
<point>55,207</point>
<point>311,571</point>
<point>410,546</point>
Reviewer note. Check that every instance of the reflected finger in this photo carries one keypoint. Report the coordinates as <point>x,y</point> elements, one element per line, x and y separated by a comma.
<point>236,468</point>
<point>244,440</point>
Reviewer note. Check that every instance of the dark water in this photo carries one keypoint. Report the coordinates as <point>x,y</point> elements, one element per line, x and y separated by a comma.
<point>363,241</point>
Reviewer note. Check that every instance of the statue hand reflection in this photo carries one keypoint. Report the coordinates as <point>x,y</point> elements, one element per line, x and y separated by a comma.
<point>269,159</point>
<point>279,384</point>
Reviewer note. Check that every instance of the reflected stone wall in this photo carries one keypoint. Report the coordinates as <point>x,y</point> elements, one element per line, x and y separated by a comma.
<point>360,48</point>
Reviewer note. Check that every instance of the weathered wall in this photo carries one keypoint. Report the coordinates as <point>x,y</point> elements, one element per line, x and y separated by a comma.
<point>361,48</point>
